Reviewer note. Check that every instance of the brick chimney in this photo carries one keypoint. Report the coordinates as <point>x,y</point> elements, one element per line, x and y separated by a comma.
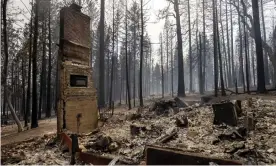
<point>76,7</point>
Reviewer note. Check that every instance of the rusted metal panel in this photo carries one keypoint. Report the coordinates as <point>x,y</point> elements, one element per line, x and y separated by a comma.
<point>67,140</point>
<point>163,156</point>
<point>86,157</point>
<point>90,158</point>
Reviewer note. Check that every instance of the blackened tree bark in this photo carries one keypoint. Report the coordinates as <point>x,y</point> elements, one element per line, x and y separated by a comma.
<point>259,52</point>
<point>134,65</point>
<point>107,86</point>
<point>167,65</point>
<point>253,60</point>
<point>240,49</point>
<point>141,57</point>
<point>34,123</point>
<point>246,58</point>
<point>112,57</point>
<point>172,64</point>
<point>181,84</point>
<point>43,72</point>
<point>190,49</point>
<point>232,47</point>
<point>28,101</point>
<point>150,71</point>
<point>268,49</point>
<point>5,71</point>
<point>127,76</point>
<point>201,85</point>
<point>101,58</point>
<point>230,81</point>
<point>162,68</point>
<point>12,83</point>
<point>223,44</point>
<point>266,71</point>
<point>215,49</point>
<point>274,48</point>
<point>49,88</point>
<point>23,107</point>
<point>204,46</point>
<point>220,59</point>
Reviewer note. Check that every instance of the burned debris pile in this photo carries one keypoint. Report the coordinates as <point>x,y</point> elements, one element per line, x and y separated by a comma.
<point>243,131</point>
<point>246,132</point>
<point>35,151</point>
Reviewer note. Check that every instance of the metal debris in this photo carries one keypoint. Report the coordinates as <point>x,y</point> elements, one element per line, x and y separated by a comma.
<point>202,136</point>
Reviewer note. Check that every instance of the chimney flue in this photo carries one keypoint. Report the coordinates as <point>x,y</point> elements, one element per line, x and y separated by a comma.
<point>76,7</point>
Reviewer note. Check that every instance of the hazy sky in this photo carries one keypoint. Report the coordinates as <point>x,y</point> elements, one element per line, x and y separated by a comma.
<point>154,29</point>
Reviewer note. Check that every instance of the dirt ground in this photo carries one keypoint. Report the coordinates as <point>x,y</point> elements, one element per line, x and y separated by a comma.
<point>10,135</point>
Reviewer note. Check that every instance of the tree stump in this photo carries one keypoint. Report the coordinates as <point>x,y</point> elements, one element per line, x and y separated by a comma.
<point>225,113</point>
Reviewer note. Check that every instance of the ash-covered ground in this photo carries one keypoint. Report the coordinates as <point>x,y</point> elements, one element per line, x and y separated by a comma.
<point>189,129</point>
<point>127,133</point>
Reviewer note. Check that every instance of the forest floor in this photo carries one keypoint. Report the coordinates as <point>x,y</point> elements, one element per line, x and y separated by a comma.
<point>10,135</point>
<point>19,148</point>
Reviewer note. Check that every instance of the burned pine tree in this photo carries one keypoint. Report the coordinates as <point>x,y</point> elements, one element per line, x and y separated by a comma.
<point>102,57</point>
<point>215,48</point>
<point>34,122</point>
<point>259,51</point>
<point>141,57</point>
<point>181,84</point>
<point>190,49</point>
<point>220,57</point>
<point>126,55</point>
<point>49,87</point>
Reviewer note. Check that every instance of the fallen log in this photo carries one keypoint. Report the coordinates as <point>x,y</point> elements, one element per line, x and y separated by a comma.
<point>18,123</point>
<point>167,138</point>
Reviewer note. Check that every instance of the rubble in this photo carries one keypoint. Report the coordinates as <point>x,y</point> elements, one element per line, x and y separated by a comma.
<point>234,147</point>
<point>201,136</point>
<point>233,135</point>
<point>35,151</point>
<point>170,134</point>
<point>180,103</point>
<point>166,106</point>
<point>181,121</point>
<point>237,104</point>
<point>193,132</point>
<point>136,129</point>
<point>134,116</point>
<point>249,123</point>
